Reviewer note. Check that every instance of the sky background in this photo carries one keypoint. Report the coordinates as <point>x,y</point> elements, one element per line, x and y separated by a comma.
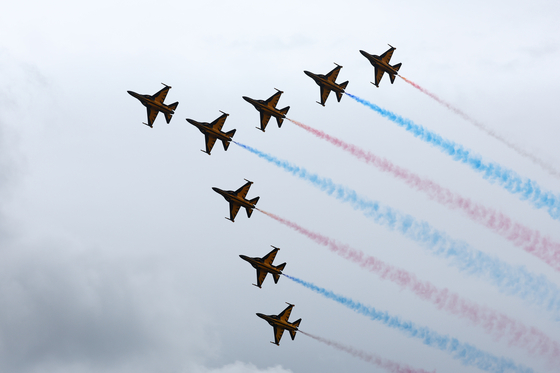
<point>115,256</point>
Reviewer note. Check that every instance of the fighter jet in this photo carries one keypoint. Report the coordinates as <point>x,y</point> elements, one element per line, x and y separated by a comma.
<point>381,65</point>
<point>264,266</point>
<point>213,131</point>
<point>280,323</point>
<point>268,108</point>
<point>237,200</point>
<point>155,104</point>
<point>327,84</point>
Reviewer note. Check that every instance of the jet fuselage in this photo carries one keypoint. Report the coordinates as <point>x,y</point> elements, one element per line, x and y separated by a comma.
<point>147,101</point>
<point>206,128</point>
<point>376,61</point>
<point>258,263</point>
<point>274,320</point>
<point>322,80</point>
<point>230,196</point>
<point>261,105</point>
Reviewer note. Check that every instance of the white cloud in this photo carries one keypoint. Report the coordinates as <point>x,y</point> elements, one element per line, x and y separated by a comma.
<point>240,367</point>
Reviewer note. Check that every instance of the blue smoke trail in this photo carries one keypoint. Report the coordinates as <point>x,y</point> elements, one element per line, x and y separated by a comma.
<point>536,289</point>
<point>493,172</point>
<point>465,353</point>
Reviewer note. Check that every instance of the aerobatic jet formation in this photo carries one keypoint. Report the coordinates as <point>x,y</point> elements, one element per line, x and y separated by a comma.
<point>267,108</point>
<point>213,131</point>
<point>264,266</point>
<point>155,104</point>
<point>280,323</point>
<point>381,65</point>
<point>327,83</point>
<point>237,200</point>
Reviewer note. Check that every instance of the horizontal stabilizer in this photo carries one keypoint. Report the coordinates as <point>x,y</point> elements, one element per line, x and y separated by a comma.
<point>280,267</point>
<point>173,106</point>
<point>339,94</point>
<point>254,200</point>
<point>397,66</point>
<point>293,332</point>
<point>392,76</point>
<point>276,277</point>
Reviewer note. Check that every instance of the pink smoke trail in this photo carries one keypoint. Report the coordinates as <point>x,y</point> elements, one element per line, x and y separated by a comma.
<point>530,240</point>
<point>488,131</point>
<point>388,365</point>
<point>494,323</point>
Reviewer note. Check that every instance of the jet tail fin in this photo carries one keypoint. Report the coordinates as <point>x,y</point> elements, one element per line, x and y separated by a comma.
<point>250,210</point>
<point>293,332</point>
<point>230,135</point>
<point>284,112</point>
<point>280,267</point>
<point>173,106</point>
<point>339,94</point>
<point>276,276</point>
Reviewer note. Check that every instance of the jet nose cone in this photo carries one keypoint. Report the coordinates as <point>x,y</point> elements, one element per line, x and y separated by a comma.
<point>260,315</point>
<point>246,98</point>
<point>244,257</point>
<point>363,53</point>
<point>307,73</point>
<point>217,190</point>
<point>130,93</point>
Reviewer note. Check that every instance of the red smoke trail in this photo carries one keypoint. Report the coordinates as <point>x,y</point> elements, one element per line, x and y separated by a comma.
<point>488,131</point>
<point>388,365</point>
<point>530,240</point>
<point>494,323</point>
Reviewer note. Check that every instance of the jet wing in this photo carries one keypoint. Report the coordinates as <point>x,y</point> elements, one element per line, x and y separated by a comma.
<point>285,315</point>
<point>242,192</point>
<point>334,73</point>
<point>233,210</point>
<point>278,331</point>
<point>160,96</point>
<point>378,75</point>
<point>152,114</point>
<point>273,100</point>
<point>261,275</point>
<point>219,123</point>
<point>210,141</point>
<point>324,95</point>
<point>264,120</point>
<point>386,57</point>
<point>269,258</point>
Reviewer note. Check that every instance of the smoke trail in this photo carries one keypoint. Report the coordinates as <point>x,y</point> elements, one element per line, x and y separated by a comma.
<point>511,280</point>
<point>493,172</point>
<point>488,131</point>
<point>467,354</point>
<point>388,365</point>
<point>530,240</point>
<point>496,324</point>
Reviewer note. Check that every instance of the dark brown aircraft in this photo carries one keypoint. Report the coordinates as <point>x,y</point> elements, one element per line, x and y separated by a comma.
<point>155,104</point>
<point>267,108</point>
<point>327,84</point>
<point>213,131</point>
<point>381,65</point>
<point>264,266</point>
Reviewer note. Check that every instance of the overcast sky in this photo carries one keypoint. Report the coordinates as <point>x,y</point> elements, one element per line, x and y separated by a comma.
<point>115,256</point>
